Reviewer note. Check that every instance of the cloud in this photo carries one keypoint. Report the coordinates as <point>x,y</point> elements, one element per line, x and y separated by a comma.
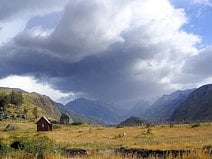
<point>198,67</point>
<point>14,15</point>
<point>119,51</point>
<point>30,84</point>
<point>17,8</point>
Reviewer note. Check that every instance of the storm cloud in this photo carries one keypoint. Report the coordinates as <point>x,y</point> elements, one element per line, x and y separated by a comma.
<point>117,51</point>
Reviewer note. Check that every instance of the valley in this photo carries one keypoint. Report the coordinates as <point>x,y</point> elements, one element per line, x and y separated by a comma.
<point>86,136</point>
<point>92,138</point>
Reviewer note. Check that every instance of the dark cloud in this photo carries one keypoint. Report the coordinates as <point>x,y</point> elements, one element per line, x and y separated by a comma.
<point>108,50</point>
<point>105,77</point>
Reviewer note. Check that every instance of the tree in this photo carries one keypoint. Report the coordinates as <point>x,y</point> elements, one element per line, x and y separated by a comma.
<point>4,101</point>
<point>25,111</point>
<point>16,98</point>
<point>35,112</point>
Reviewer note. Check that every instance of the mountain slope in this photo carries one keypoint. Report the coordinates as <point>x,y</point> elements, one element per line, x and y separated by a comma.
<point>197,107</point>
<point>102,111</point>
<point>137,110</point>
<point>163,108</point>
<point>77,118</point>
<point>43,104</point>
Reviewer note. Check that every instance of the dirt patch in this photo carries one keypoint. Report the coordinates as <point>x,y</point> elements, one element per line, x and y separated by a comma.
<point>75,152</point>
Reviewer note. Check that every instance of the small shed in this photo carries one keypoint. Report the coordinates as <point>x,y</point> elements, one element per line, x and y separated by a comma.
<point>43,124</point>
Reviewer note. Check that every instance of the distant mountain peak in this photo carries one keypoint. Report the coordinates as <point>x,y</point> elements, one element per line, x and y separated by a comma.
<point>163,108</point>
<point>97,109</point>
<point>197,107</point>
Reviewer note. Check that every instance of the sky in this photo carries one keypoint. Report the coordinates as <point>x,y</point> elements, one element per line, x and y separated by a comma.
<point>119,51</point>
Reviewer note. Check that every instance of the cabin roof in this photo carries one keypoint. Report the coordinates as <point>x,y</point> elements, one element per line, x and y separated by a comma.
<point>44,119</point>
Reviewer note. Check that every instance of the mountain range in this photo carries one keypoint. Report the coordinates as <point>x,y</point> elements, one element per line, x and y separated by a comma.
<point>197,107</point>
<point>182,105</point>
<point>163,108</point>
<point>100,110</point>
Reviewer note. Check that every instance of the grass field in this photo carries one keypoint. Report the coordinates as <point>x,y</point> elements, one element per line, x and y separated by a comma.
<point>162,137</point>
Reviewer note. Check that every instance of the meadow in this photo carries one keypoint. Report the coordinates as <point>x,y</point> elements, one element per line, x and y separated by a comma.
<point>100,142</point>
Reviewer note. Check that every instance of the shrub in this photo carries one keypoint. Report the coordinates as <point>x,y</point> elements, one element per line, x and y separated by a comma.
<point>56,126</point>
<point>3,148</point>
<point>37,145</point>
<point>171,125</point>
<point>195,125</point>
<point>18,145</point>
<point>77,123</point>
<point>120,135</point>
<point>16,98</point>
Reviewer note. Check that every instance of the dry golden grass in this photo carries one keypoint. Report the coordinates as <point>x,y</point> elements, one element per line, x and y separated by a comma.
<point>89,137</point>
<point>160,137</point>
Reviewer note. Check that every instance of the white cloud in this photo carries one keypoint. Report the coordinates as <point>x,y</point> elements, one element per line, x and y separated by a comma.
<point>29,84</point>
<point>10,29</point>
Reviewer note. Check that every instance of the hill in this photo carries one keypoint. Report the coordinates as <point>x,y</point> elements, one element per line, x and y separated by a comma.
<point>31,104</point>
<point>102,111</point>
<point>133,121</point>
<point>197,107</point>
<point>163,108</point>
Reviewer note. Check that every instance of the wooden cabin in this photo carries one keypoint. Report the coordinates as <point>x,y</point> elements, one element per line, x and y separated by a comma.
<point>43,124</point>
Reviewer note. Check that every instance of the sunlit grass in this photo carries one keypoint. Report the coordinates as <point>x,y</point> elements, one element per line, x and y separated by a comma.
<point>95,137</point>
<point>161,137</point>
<point>91,138</point>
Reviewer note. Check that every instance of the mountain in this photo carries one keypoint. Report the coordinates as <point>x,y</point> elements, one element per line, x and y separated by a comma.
<point>163,108</point>
<point>102,111</point>
<point>133,121</point>
<point>197,107</point>
<point>30,101</point>
<point>137,110</point>
<point>77,118</point>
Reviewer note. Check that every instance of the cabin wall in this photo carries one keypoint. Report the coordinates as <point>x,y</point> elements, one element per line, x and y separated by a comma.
<point>43,125</point>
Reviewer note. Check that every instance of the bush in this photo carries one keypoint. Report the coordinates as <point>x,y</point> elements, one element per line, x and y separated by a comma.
<point>36,145</point>
<point>39,145</point>
<point>171,125</point>
<point>195,125</point>
<point>3,148</point>
<point>18,145</point>
<point>77,123</point>
<point>56,126</point>
<point>16,98</point>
